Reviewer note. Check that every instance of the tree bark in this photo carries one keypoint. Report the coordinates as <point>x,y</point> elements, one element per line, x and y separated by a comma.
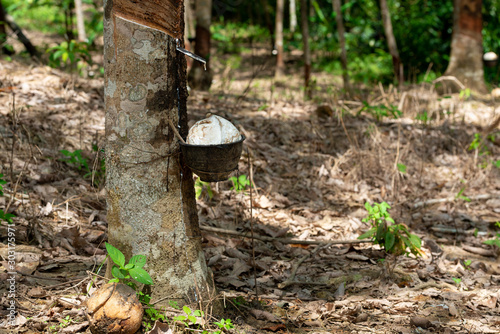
<point>68,21</point>
<point>304,17</point>
<point>466,58</point>
<point>189,30</point>
<point>391,43</point>
<point>80,21</point>
<point>22,37</point>
<point>280,63</point>
<point>343,53</point>
<point>3,31</point>
<point>199,78</point>
<point>293,15</point>
<point>268,22</point>
<point>150,192</point>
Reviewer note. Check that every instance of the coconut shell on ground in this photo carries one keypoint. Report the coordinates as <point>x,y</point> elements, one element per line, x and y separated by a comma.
<point>114,309</point>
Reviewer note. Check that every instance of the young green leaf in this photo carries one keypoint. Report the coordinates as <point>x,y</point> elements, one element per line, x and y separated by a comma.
<point>138,260</point>
<point>186,309</point>
<point>66,153</point>
<point>389,241</point>
<point>141,276</point>
<point>117,273</point>
<point>368,234</point>
<point>115,255</point>
<point>402,168</point>
<point>495,242</point>
<point>415,241</point>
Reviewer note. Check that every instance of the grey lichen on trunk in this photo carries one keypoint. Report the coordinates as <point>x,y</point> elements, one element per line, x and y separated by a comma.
<point>151,202</point>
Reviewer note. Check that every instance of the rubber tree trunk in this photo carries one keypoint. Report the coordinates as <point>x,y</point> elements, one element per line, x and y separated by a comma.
<point>391,43</point>
<point>343,53</point>
<point>268,22</point>
<point>198,77</point>
<point>22,37</point>
<point>293,15</point>
<point>80,21</point>
<point>466,62</point>
<point>280,63</point>
<point>68,20</point>
<point>3,31</point>
<point>150,192</point>
<point>304,19</point>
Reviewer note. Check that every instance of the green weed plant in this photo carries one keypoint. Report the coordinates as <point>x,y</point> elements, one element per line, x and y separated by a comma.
<point>190,320</point>
<point>4,215</point>
<point>478,144</point>
<point>68,54</point>
<point>394,238</point>
<point>380,111</point>
<point>78,161</point>
<point>200,186</point>
<point>495,241</point>
<point>132,270</point>
<point>240,183</point>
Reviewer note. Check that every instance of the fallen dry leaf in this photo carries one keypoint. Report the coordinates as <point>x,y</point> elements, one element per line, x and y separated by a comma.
<point>160,328</point>
<point>264,315</point>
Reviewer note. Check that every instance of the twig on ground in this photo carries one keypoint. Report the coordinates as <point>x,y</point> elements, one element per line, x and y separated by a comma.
<point>433,284</point>
<point>452,199</point>
<point>395,173</point>
<point>251,227</point>
<point>284,240</point>
<point>296,265</point>
<point>252,183</point>
<point>479,250</point>
<point>79,280</point>
<point>450,78</point>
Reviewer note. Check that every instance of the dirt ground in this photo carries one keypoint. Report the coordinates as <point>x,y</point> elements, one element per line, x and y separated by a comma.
<point>313,164</point>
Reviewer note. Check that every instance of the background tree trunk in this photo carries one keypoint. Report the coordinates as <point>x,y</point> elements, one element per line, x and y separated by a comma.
<point>280,63</point>
<point>150,192</point>
<point>80,21</point>
<point>268,22</point>
<point>198,77</point>
<point>68,19</point>
<point>293,15</point>
<point>343,54</point>
<point>3,30</point>
<point>304,17</point>
<point>22,37</point>
<point>391,42</point>
<point>189,30</point>
<point>466,58</point>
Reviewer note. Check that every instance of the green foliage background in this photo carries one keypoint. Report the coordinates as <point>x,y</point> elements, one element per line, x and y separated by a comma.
<point>422,28</point>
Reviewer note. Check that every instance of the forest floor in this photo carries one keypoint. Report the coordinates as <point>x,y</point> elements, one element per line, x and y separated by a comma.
<point>313,164</point>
